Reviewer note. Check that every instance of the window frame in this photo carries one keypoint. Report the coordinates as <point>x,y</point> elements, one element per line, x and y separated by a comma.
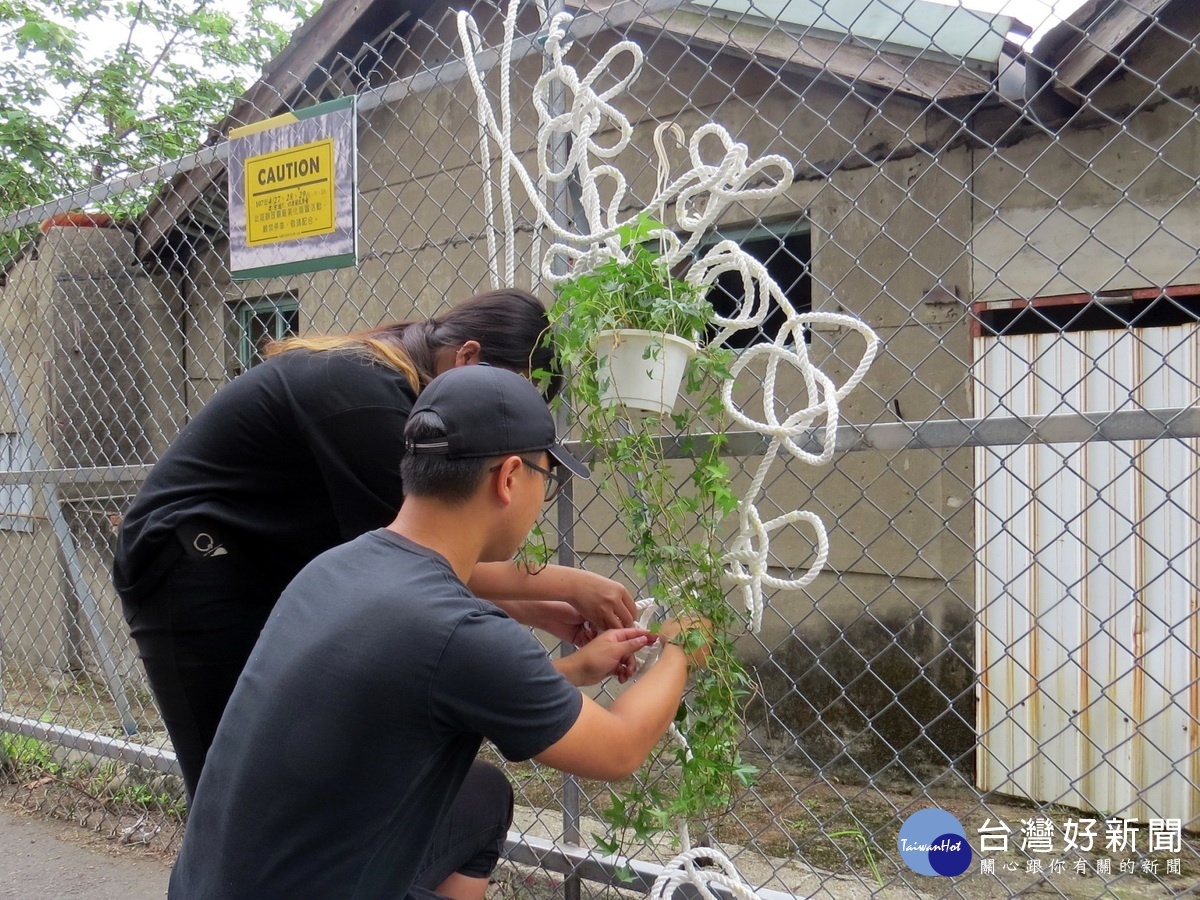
<point>781,231</point>
<point>244,313</point>
<point>16,500</point>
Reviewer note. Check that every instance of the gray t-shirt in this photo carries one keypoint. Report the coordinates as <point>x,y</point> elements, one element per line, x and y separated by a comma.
<point>354,723</point>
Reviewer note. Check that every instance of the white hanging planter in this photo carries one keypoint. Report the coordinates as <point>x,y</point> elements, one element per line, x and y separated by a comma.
<point>641,369</point>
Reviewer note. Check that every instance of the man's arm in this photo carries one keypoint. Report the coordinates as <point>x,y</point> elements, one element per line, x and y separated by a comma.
<point>555,617</point>
<point>610,744</point>
<point>603,602</point>
<point>610,655</point>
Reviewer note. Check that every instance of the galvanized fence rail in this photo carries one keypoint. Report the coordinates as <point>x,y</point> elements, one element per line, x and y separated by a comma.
<point>1007,626</point>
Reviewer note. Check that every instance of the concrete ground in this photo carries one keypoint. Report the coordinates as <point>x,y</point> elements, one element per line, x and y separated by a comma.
<point>41,859</point>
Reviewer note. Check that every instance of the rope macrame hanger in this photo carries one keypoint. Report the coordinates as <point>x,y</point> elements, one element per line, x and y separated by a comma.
<point>697,197</point>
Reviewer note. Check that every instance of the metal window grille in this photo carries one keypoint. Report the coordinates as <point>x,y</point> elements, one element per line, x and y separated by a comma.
<point>262,321</point>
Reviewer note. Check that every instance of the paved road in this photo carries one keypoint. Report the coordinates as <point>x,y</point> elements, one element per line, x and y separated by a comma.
<point>41,859</point>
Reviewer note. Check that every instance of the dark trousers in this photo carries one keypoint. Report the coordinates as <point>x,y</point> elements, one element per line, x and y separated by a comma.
<point>470,839</point>
<point>194,632</point>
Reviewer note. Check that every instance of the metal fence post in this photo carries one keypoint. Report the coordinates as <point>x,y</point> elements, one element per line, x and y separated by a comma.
<point>67,552</point>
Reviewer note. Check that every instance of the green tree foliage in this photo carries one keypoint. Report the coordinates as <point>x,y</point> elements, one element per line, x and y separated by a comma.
<point>92,89</point>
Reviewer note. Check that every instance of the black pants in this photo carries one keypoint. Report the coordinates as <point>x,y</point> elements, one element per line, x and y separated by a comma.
<point>470,839</point>
<point>194,632</point>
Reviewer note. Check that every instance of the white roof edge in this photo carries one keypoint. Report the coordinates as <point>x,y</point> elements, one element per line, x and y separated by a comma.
<point>909,26</point>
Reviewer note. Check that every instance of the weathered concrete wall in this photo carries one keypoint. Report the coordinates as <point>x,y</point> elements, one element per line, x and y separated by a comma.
<point>874,659</point>
<point>1109,202</point>
<point>158,338</point>
<point>32,603</point>
<point>95,409</point>
<point>885,687</point>
<point>70,311</point>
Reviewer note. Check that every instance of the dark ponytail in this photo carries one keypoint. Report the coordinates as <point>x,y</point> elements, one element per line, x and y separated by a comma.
<point>510,325</point>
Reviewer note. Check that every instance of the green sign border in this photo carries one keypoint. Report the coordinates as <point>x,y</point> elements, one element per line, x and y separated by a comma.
<point>305,266</point>
<point>299,267</point>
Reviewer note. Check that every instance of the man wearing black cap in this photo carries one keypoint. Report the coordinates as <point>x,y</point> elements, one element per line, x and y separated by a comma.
<point>344,765</point>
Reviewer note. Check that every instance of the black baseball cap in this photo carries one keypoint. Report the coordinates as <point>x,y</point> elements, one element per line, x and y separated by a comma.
<point>488,411</point>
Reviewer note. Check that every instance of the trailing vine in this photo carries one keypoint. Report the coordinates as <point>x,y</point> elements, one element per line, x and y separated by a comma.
<point>671,510</point>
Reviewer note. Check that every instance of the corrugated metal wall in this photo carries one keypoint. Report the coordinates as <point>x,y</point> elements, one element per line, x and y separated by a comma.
<point>1087,562</point>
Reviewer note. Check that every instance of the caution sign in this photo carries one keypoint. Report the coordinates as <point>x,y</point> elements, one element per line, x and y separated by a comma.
<point>292,192</point>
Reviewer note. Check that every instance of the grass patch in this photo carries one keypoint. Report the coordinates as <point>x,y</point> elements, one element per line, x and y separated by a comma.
<point>129,804</point>
<point>23,757</point>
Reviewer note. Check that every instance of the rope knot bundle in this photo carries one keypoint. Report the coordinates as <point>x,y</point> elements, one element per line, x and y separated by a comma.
<point>719,871</point>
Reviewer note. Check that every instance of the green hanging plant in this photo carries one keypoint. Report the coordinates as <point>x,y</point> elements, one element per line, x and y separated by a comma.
<point>670,510</point>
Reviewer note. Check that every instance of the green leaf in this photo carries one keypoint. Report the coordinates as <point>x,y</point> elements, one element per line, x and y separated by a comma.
<point>642,229</point>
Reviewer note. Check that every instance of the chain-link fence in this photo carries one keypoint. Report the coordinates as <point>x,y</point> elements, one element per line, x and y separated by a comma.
<point>1006,627</point>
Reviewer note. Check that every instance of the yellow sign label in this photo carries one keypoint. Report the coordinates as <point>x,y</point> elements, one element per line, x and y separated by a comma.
<point>289,194</point>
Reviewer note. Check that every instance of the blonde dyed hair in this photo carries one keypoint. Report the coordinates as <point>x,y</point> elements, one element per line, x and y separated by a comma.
<point>369,344</point>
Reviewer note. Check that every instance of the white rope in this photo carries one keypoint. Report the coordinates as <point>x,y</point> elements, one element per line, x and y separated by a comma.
<point>720,173</point>
<point>719,871</point>
<point>699,196</point>
<point>748,559</point>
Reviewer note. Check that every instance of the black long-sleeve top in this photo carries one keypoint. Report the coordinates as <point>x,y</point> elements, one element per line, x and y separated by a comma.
<point>294,456</point>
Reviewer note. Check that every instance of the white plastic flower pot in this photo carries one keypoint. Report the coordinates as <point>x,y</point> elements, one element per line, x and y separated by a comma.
<point>641,369</point>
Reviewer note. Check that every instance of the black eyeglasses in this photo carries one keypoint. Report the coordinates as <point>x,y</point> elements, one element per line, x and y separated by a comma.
<point>554,479</point>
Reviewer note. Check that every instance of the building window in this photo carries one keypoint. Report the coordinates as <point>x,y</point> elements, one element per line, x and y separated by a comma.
<point>16,500</point>
<point>786,250</point>
<point>261,321</point>
<point>1151,307</point>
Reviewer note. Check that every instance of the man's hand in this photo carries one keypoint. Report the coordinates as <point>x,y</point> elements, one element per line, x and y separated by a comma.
<point>609,654</point>
<point>603,602</point>
<point>692,634</point>
<point>563,621</point>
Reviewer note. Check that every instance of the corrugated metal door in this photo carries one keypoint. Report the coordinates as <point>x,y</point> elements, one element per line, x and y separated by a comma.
<point>1087,566</point>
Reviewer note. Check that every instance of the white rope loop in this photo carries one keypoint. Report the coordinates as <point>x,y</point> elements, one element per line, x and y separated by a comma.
<point>700,195</point>
<point>719,872</point>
